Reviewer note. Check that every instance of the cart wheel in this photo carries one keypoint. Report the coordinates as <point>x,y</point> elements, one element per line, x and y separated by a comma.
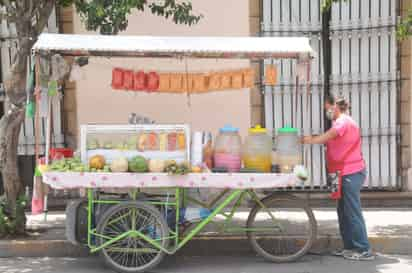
<point>132,254</point>
<point>283,230</point>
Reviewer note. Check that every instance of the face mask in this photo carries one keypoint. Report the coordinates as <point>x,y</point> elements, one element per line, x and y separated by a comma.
<point>330,113</point>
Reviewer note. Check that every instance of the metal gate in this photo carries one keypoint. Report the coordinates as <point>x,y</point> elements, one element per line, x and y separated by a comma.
<point>364,70</point>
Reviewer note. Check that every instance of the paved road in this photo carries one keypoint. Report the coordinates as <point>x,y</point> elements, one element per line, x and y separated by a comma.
<point>208,264</point>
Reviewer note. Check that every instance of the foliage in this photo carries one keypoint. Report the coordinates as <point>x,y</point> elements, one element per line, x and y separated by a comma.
<point>404,28</point>
<point>12,219</point>
<point>110,16</point>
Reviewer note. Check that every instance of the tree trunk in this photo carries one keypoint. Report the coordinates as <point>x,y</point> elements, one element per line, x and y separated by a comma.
<point>10,125</point>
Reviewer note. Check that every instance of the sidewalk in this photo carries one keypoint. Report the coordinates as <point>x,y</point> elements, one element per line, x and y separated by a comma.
<point>390,232</point>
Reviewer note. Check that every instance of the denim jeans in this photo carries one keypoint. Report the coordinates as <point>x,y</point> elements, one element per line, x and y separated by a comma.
<point>351,222</point>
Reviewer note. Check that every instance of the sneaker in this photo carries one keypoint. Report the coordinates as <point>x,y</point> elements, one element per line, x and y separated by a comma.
<point>341,252</point>
<point>364,256</point>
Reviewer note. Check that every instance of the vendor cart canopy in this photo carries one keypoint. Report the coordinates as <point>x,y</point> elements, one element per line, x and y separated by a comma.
<point>152,46</point>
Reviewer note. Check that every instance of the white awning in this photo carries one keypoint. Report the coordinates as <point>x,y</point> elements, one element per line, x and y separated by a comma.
<point>154,46</point>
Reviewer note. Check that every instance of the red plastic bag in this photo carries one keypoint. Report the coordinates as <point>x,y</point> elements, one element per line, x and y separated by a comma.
<point>117,78</point>
<point>153,81</point>
<point>140,81</point>
<point>128,80</point>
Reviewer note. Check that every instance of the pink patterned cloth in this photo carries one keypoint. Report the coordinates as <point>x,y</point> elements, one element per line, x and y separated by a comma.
<point>72,180</point>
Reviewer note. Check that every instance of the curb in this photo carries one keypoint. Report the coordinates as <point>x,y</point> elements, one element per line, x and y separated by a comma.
<point>201,246</point>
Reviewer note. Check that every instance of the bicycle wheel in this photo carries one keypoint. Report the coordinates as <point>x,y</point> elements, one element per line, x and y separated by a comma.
<point>132,254</point>
<point>282,230</point>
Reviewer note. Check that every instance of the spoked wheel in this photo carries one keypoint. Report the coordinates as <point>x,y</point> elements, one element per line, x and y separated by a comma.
<point>132,253</point>
<point>281,228</point>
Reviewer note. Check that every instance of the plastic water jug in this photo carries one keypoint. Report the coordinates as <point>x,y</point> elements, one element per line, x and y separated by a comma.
<point>288,149</point>
<point>227,153</point>
<point>258,150</point>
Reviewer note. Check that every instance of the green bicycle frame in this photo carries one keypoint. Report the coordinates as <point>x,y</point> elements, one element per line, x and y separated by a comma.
<point>219,204</point>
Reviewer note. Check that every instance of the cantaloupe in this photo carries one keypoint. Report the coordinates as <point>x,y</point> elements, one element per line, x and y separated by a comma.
<point>97,162</point>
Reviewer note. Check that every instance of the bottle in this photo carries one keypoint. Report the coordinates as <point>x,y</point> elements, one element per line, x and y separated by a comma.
<point>257,153</point>
<point>228,146</point>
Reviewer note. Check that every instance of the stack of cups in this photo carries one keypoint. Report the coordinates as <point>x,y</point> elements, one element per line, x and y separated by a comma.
<point>197,149</point>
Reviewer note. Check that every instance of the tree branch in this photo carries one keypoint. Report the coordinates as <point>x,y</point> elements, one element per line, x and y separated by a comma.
<point>44,15</point>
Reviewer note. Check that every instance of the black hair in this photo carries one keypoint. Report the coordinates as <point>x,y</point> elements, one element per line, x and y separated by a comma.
<point>340,102</point>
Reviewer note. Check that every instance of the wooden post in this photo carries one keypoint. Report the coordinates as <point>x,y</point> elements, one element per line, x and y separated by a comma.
<point>37,114</point>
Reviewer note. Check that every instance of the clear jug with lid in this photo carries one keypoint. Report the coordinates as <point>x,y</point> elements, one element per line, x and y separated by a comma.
<point>257,150</point>
<point>288,149</point>
<point>227,152</point>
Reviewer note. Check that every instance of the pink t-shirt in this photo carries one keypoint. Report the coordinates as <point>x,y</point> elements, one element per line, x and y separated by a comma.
<point>348,134</point>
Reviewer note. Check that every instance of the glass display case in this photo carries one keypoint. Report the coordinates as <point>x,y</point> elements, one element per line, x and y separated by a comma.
<point>152,141</point>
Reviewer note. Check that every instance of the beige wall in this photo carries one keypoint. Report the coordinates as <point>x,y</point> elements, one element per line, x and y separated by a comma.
<point>98,103</point>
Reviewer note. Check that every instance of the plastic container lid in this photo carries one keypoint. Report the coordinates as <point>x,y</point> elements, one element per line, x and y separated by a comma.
<point>228,129</point>
<point>288,130</point>
<point>257,129</point>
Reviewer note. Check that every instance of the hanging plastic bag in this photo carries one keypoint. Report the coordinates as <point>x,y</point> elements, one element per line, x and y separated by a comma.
<point>44,103</point>
<point>176,83</point>
<point>164,82</point>
<point>226,82</point>
<point>128,80</point>
<point>248,78</point>
<point>152,82</point>
<point>76,73</point>
<point>271,75</point>
<point>214,81</point>
<point>117,78</point>
<point>140,81</point>
<point>39,191</point>
<point>237,81</point>
<point>60,68</point>
<point>52,88</point>
<point>199,83</point>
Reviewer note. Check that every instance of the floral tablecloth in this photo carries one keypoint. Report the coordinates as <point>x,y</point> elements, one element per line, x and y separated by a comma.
<point>72,180</point>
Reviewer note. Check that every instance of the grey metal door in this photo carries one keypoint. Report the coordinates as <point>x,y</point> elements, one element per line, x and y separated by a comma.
<point>364,70</point>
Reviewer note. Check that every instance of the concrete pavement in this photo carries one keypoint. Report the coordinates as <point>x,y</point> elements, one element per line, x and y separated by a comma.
<point>390,232</point>
<point>213,264</point>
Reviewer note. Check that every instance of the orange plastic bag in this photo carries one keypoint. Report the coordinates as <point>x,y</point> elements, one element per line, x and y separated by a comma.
<point>271,74</point>
<point>164,82</point>
<point>248,78</point>
<point>176,83</point>
<point>199,83</point>
<point>237,80</point>
<point>226,81</point>
<point>187,83</point>
<point>214,81</point>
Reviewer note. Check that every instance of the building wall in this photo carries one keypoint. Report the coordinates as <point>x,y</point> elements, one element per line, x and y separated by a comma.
<point>406,104</point>
<point>92,100</point>
<point>256,98</point>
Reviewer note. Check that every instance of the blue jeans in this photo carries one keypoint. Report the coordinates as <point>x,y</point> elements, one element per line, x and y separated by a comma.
<point>351,222</point>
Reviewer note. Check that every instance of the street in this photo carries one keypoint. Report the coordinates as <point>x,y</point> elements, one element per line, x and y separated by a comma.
<point>210,264</point>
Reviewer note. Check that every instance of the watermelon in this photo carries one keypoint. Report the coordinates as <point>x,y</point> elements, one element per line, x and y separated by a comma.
<point>138,164</point>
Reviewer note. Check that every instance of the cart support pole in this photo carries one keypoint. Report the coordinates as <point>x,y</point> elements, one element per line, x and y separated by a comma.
<point>89,215</point>
<point>202,224</point>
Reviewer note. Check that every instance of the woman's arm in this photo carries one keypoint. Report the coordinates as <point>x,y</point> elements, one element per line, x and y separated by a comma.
<point>320,139</point>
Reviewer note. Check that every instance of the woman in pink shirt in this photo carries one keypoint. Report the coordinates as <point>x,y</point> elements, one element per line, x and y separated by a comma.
<point>344,155</point>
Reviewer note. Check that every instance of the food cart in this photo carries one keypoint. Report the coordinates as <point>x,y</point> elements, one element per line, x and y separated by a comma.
<point>132,230</point>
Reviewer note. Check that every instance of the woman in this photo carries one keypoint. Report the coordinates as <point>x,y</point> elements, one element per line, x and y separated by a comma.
<point>344,154</point>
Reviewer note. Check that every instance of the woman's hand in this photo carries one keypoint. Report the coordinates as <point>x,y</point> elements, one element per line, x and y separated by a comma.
<point>320,139</point>
<point>306,140</point>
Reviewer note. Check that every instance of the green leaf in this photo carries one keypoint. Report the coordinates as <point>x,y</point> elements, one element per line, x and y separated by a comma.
<point>111,17</point>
